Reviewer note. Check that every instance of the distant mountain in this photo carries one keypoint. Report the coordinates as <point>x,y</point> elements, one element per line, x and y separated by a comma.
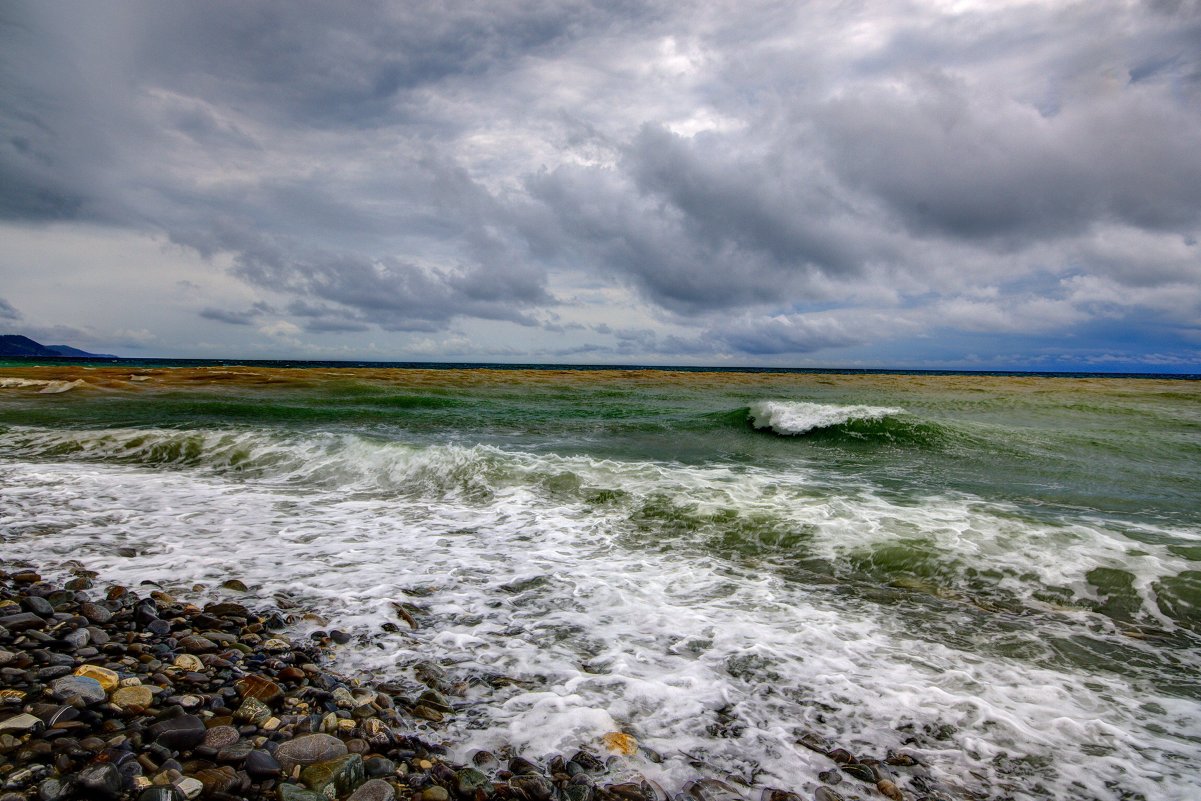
<point>17,345</point>
<point>67,350</point>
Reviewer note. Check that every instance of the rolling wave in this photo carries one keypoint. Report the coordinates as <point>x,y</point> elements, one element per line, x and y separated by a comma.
<point>792,418</point>
<point>844,425</point>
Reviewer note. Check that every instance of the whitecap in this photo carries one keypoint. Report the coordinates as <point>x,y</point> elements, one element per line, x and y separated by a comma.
<point>798,417</point>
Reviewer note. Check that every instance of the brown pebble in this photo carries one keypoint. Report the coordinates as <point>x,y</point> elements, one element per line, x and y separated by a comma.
<point>890,789</point>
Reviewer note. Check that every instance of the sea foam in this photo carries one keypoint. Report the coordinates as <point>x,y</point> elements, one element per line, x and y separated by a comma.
<point>613,611</point>
<point>792,418</point>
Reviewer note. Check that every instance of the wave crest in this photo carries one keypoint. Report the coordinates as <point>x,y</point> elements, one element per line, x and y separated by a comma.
<point>793,418</point>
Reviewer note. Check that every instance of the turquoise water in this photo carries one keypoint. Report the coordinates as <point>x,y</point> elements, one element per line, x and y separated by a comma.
<point>1001,574</point>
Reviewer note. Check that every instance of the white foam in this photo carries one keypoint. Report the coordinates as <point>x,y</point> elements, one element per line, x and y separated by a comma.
<point>798,417</point>
<point>605,624</point>
<point>48,387</point>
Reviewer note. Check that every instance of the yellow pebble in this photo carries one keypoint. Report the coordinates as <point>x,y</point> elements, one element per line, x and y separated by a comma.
<point>620,743</point>
<point>189,663</point>
<point>108,679</point>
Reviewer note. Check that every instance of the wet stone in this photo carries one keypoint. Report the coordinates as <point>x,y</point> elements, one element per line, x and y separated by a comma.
<point>219,737</point>
<point>468,780</point>
<point>95,613</point>
<point>888,788</point>
<point>826,794</point>
<point>863,773</point>
<point>100,781</point>
<point>84,687</point>
<point>108,679</point>
<point>135,696</point>
<point>712,790</point>
<point>535,787</point>
<point>435,793</point>
<point>20,724</point>
<point>77,639</point>
<point>180,733</point>
<point>252,710</point>
<point>334,777</point>
<point>309,749</point>
<point>53,789</point>
<point>260,765</point>
<point>217,780</point>
<point>378,766</point>
<point>189,787</point>
<point>196,644</point>
<point>22,621</point>
<point>190,663</point>
<point>160,793</point>
<point>39,606</point>
<point>842,756</point>
<point>522,766</point>
<point>52,672</point>
<point>830,776</point>
<point>373,790</point>
<point>294,792</point>
<point>260,688</point>
<point>236,752</point>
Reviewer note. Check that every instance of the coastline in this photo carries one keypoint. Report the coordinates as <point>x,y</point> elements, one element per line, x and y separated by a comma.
<point>111,693</point>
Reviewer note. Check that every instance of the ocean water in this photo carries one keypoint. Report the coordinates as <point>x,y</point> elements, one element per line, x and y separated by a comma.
<point>999,575</point>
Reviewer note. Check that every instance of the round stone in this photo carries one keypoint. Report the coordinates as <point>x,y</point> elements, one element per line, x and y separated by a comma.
<point>190,663</point>
<point>108,679</point>
<point>136,695</point>
<point>219,737</point>
<point>373,790</point>
<point>179,733</point>
<point>309,749</point>
<point>435,793</point>
<point>85,687</point>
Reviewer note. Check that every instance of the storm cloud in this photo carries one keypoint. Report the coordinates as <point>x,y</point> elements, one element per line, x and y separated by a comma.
<point>707,182</point>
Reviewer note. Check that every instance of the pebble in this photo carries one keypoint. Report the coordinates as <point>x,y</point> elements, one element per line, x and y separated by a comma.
<point>374,790</point>
<point>20,724</point>
<point>309,749</point>
<point>83,687</point>
<point>108,679</point>
<point>179,733</point>
<point>132,696</point>
<point>188,662</point>
<point>435,793</point>
<point>100,781</point>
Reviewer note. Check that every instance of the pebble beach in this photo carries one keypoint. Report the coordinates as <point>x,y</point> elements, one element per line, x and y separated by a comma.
<point>111,694</point>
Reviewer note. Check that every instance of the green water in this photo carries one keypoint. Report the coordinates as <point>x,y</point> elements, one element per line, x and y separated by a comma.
<point>1036,526</point>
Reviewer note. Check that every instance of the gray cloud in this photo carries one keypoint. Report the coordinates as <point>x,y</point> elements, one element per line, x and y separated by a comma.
<point>234,317</point>
<point>7,312</point>
<point>758,180</point>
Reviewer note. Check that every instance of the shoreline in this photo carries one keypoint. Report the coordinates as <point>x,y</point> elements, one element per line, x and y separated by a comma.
<point>114,694</point>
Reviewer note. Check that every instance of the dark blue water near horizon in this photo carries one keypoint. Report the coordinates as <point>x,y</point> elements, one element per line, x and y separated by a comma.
<point>415,365</point>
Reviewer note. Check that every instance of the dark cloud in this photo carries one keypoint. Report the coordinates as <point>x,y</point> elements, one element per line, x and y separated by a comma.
<point>7,312</point>
<point>234,317</point>
<point>757,180</point>
<point>950,160</point>
<point>787,334</point>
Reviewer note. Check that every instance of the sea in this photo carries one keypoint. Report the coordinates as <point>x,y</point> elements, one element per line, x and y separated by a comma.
<point>996,574</point>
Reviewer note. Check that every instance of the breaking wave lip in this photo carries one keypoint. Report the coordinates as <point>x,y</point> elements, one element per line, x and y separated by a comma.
<point>793,418</point>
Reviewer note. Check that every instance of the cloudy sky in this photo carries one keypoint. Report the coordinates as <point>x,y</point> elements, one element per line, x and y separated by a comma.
<point>921,183</point>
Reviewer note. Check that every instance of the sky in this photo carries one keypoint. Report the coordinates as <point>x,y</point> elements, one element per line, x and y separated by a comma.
<point>970,184</point>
